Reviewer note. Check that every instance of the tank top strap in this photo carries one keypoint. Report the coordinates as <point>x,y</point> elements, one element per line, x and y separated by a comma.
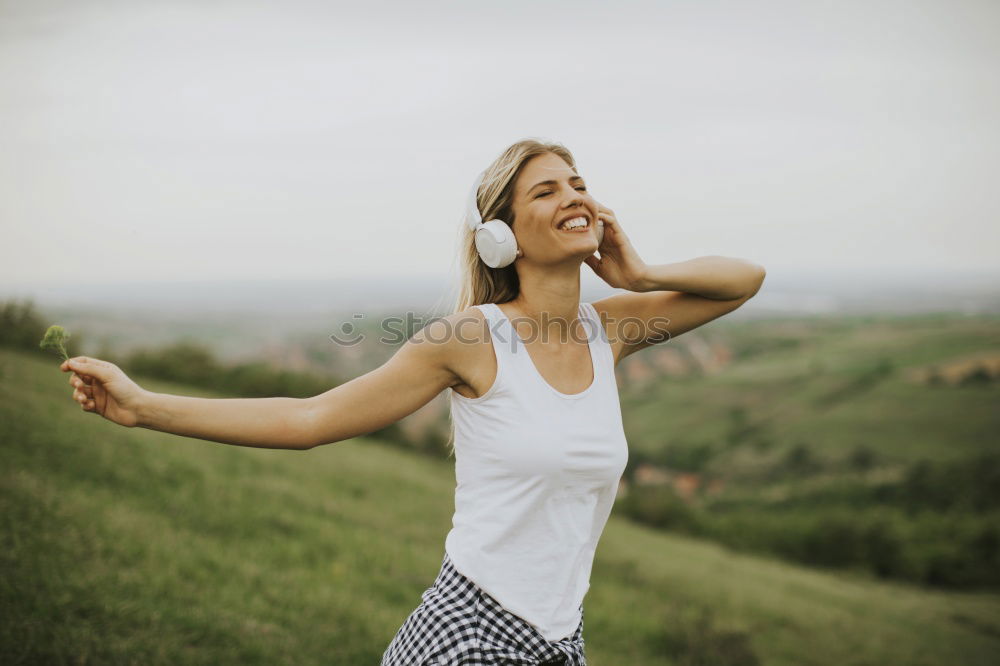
<point>513,361</point>
<point>506,344</point>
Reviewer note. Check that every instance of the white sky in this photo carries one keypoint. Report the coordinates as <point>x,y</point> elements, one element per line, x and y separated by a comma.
<point>191,140</point>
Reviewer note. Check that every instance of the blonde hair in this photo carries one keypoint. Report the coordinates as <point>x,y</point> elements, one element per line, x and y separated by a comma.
<point>478,283</point>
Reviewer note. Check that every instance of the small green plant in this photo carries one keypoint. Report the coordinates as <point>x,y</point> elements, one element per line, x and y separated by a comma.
<point>55,339</point>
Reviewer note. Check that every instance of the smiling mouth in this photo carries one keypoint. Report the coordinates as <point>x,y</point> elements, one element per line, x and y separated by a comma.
<point>575,225</point>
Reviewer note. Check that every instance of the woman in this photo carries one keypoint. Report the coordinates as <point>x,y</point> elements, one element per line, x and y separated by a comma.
<point>537,427</point>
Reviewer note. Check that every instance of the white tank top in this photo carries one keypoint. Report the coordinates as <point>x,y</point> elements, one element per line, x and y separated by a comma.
<point>537,472</point>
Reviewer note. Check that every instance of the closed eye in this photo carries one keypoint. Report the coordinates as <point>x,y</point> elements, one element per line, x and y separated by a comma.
<point>582,188</point>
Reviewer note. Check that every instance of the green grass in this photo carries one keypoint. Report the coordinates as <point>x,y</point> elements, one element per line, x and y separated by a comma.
<point>137,547</point>
<point>825,392</point>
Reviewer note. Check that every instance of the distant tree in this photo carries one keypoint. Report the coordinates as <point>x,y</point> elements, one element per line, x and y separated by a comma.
<point>741,430</point>
<point>800,458</point>
<point>862,457</point>
<point>979,375</point>
<point>658,506</point>
<point>686,456</point>
<point>21,325</point>
<point>185,361</point>
<point>934,377</point>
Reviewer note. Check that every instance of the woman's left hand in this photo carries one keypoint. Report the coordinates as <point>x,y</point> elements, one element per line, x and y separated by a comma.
<point>619,265</point>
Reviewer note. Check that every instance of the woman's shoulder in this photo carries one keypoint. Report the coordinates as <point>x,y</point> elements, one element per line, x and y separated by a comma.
<point>462,321</point>
<point>458,332</point>
<point>460,342</point>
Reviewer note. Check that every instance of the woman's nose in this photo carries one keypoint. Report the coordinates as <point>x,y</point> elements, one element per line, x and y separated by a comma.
<point>576,198</point>
<point>577,201</point>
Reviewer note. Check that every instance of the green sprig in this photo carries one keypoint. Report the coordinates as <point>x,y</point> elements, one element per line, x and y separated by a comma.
<point>55,339</point>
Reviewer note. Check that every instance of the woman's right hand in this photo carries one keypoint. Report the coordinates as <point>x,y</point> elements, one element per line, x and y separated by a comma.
<point>102,387</point>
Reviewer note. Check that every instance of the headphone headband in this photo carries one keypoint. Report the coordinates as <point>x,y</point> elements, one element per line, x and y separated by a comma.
<point>472,216</point>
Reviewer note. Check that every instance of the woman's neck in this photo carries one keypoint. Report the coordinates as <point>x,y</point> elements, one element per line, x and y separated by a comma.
<point>551,298</point>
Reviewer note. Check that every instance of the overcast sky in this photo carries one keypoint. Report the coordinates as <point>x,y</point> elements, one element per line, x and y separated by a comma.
<point>194,140</point>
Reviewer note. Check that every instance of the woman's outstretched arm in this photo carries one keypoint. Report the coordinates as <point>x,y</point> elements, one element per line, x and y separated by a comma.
<point>103,388</point>
<point>416,373</point>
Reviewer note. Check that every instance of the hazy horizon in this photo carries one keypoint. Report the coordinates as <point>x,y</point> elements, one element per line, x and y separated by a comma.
<point>968,292</point>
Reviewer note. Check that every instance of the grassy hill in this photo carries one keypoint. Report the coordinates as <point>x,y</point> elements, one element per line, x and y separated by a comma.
<point>828,383</point>
<point>865,442</point>
<point>131,546</point>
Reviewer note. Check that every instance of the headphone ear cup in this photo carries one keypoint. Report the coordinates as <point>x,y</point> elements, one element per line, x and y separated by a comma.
<point>496,244</point>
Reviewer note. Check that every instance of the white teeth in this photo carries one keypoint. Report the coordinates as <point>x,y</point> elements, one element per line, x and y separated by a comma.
<point>574,223</point>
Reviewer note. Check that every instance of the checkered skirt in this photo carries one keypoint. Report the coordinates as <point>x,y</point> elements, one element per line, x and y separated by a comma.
<point>459,624</point>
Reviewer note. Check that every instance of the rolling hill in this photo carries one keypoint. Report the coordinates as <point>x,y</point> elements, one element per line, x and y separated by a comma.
<point>133,546</point>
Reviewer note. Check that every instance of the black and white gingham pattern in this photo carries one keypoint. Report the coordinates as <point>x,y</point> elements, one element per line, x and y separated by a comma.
<point>459,624</point>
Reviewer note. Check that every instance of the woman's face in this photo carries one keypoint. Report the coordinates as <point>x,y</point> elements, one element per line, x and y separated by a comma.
<point>547,193</point>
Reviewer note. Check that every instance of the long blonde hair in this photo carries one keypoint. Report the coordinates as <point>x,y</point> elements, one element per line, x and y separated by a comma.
<point>478,283</point>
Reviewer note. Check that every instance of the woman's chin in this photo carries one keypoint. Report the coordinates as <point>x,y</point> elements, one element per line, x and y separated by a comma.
<point>579,237</point>
<point>583,250</point>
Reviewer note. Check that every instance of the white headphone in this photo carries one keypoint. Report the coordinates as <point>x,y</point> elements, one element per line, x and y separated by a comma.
<point>495,240</point>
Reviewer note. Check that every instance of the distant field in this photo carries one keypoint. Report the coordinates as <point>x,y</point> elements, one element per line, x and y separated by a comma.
<point>865,442</point>
<point>828,383</point>
<point>131,546</point>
